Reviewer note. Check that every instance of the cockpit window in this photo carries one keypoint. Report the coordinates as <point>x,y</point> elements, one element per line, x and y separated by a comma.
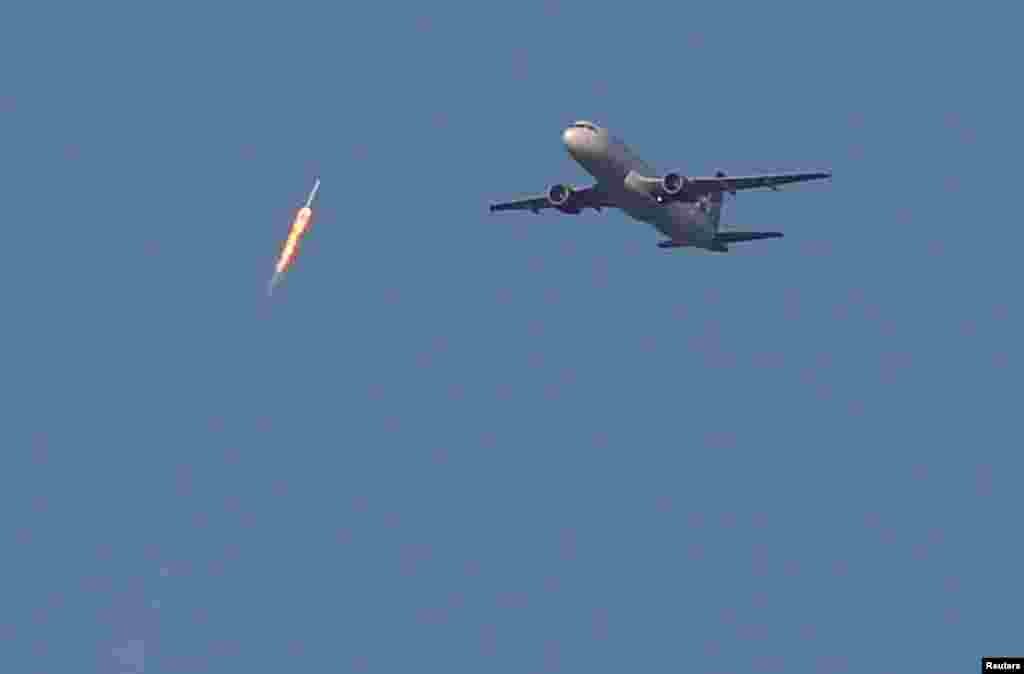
<point>585,125</point>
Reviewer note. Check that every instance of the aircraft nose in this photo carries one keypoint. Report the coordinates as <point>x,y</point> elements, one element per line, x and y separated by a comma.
<point>571,139</point>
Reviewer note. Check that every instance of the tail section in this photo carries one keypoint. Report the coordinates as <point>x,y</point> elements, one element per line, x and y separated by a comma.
<point>720,242</point>
<point>717,199</point>
<point>715,210</point>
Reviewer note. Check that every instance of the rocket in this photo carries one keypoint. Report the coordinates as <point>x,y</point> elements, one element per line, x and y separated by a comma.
<point>298,229</point>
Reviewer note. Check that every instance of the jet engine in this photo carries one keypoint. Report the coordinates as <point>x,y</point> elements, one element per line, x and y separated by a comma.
<point>560,195</point>
<point>673,184</point>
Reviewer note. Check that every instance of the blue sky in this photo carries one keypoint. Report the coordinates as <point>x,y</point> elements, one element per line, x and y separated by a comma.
<point>507,443</point>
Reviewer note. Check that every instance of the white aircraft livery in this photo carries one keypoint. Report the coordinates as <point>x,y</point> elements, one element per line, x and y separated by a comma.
<point>686,210</point>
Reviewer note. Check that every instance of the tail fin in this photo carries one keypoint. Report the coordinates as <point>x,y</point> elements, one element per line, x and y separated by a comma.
<point>717,198</point>
<point>715,212</point>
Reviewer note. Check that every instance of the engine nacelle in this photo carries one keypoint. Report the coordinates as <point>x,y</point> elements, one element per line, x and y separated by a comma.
<point>559,196</point>
<point>673,184</point>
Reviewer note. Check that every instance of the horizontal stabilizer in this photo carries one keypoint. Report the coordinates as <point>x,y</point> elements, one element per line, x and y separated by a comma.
<point>735,237</point>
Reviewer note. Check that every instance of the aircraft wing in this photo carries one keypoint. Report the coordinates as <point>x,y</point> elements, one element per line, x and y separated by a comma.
<point>580,198</point>
<point>735,183</point>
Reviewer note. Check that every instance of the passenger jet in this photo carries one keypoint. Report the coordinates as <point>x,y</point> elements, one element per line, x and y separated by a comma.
<point>686,210</point>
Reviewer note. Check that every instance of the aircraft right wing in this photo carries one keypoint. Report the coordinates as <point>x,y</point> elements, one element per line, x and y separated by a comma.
<point>565,198</point>
<point>771,181</point>
<point>674,186</point>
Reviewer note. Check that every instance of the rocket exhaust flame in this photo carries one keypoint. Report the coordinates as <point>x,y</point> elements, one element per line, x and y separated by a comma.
<point>291,244</point>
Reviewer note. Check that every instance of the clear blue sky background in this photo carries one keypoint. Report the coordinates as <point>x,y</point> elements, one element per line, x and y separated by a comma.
<point>470,443</point>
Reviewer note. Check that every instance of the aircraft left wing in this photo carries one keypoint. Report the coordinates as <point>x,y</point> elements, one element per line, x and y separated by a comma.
<point>734,183</point>
<point>528,204</point>
<point>566,198</point>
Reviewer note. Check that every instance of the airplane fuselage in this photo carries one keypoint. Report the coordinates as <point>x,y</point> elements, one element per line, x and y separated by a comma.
<point>609,161</point>
<point>687,210</point>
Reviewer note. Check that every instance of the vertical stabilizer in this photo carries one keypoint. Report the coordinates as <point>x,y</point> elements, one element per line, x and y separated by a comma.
<point>717,201</point>
<point>715,212</point>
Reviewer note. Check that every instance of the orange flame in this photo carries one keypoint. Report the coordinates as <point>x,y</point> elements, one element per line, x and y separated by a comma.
<point>291,246</point>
